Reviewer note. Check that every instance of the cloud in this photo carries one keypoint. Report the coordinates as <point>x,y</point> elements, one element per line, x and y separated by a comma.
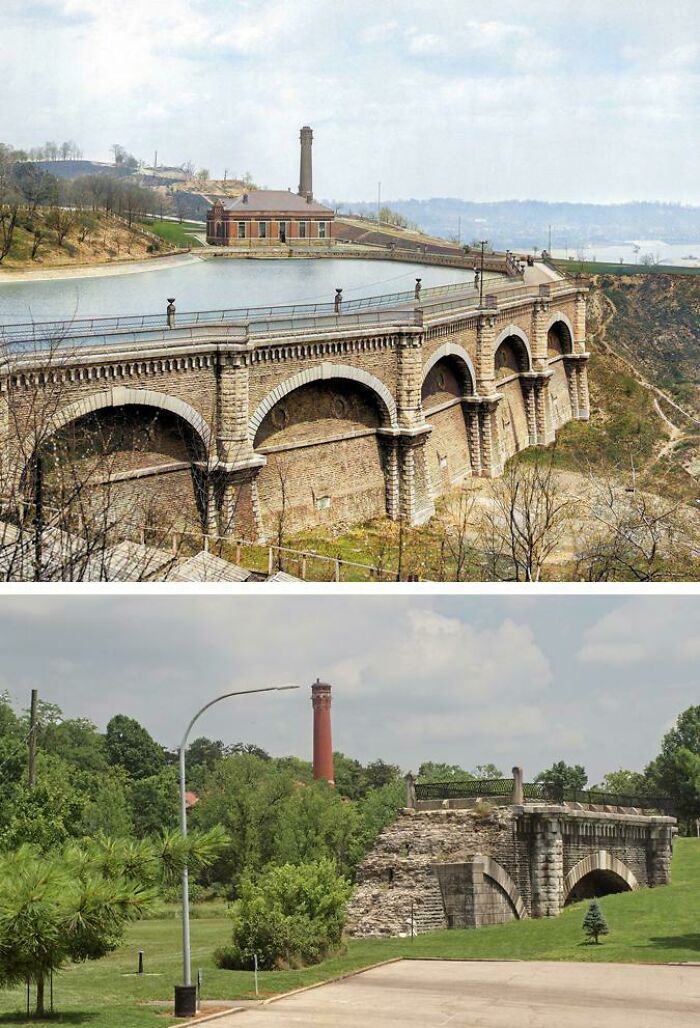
<point>613,87</point>
<point>639,631</point>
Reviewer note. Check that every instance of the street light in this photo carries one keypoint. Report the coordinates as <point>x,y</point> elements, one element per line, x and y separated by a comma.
<point>185,994</point>
<point>482,243</point>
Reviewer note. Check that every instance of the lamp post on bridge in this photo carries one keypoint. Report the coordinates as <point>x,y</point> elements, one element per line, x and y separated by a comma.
<point>482,243</point>
<point>185,994</point>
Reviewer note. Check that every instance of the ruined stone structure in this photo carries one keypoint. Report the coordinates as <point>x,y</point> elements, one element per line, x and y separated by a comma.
<point>462,868</point>
<point>245,420</point>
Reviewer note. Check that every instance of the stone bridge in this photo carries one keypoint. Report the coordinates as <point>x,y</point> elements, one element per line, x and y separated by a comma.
<point>463,868</point>
<point>236,419</point>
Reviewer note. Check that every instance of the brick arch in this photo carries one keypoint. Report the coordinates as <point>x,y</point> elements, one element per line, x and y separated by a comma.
<point>451,350</point>
<point>122,396</point>
<point>492,869</point>
<point>325,372</point>
<point>514,330</point>
<point>601,860</point>
<point>561,316</point>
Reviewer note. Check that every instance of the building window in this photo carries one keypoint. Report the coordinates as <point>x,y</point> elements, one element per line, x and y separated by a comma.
<point>262,230</point>
<point>241,229</point>
<point>302,230</point>
<point>322,226</point>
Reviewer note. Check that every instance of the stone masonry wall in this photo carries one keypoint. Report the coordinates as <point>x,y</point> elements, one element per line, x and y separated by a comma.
<point>492,866</point>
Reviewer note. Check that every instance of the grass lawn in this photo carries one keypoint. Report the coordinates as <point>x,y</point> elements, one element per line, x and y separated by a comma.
<point>649,926</point>
<point>174,232</point>
<point>609,268</point>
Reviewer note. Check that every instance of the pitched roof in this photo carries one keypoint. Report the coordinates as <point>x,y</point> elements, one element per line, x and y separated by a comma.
<point>276,200</point>
<point>206,567</point>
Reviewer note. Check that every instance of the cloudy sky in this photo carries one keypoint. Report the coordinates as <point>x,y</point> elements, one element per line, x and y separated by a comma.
<point>520,99</point>
<point>592,680</point>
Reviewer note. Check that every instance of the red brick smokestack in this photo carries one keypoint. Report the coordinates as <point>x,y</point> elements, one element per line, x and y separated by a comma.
<point>323,745</point>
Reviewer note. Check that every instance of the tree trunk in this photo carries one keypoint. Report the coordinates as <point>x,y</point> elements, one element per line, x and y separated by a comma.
<point>40,996</point>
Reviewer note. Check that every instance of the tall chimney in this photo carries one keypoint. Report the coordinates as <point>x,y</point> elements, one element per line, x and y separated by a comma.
<point>323,746</point>
<point>305,183</point>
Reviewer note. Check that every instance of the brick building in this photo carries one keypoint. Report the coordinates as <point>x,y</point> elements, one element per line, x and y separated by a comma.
<point>274,217</point>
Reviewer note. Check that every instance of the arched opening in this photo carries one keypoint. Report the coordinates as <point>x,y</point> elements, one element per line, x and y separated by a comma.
<point>559,339</point>
<point>134,465</point>
<point>512,359</point>
<point>595,884</point>
<point>446,383</point>
<point>559,343</point>
<point>325,460</point>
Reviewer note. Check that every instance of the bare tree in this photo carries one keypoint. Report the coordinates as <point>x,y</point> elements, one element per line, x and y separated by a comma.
<point>637,537</point>
<point>526,520</point>
<point>67,510</point>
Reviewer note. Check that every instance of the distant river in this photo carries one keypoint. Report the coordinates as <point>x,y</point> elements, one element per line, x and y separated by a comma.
<point>213,284</point>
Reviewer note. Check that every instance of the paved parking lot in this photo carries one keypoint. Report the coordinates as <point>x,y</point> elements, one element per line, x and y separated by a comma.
<point>430,994</point>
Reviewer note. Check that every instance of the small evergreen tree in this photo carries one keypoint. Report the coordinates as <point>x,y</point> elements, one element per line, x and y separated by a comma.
<point>594,923</point>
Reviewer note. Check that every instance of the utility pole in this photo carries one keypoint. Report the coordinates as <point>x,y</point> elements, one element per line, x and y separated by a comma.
<point>31,741</point>
<point>225,174</point>
<point>459,228</point>
<point>379,199</point>
<point>38,515</point>
<point>155,161</point>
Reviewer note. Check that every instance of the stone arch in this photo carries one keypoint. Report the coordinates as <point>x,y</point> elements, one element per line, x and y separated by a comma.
<point>492,869</point>
<point>452,350</point>
<point>122,396</point>
<point>601,860</point>
<point>559,317</point>
<point>324,372</point>
<point>514,332</point>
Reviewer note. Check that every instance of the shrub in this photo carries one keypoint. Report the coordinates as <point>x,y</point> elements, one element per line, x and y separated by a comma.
<point>594,923</point>
<point>291,916</point>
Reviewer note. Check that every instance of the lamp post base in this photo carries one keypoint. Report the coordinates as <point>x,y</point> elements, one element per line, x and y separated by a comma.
<point>185,1000</point>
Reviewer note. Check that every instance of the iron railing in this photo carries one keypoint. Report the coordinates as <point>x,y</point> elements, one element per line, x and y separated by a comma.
<point>260,320</point>
<point>494,788</point>
<point>469,789</point>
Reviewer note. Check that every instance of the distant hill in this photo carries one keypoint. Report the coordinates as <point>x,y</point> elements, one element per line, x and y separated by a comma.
<point>523,224</point>
<point>75,169</point>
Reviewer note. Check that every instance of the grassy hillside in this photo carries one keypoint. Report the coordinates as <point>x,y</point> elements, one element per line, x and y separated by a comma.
<point>657,324</point>
<point>649,926</point>
<point>90,238</point>
<point>177,233</point>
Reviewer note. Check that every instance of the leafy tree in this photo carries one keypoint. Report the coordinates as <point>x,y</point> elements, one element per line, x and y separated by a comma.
<point>349,776</point>
<point>291,916</point>
<point>487,772</point>
<point>130,746</point>
<point>154,802</point>
<point>561,777</point>
<point>622,781</point>
<point>108,810</point>
<point>676,770</point>
<point>430,771</point>
<point>378,774</point>
<point>594,923</point>
<point>76,741</point>
<point>47,814</point>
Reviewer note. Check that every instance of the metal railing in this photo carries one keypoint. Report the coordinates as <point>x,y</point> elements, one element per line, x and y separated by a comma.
<point>261,319</point>
<point>537,792</point>
<point>467,789</point>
